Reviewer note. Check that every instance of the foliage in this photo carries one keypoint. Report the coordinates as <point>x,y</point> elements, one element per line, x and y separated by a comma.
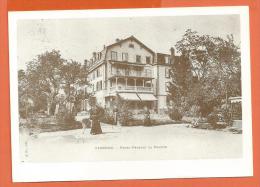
<point>212,118</point>
<point>207,72</point>
<point>63,117</point>
<point>174,114</point>
<point>25,106</point>
<point>226,114</point>
<point>125,115</point>
<point>47,77</point>
<point>74,75</point>
<point>108,117</point>
<point>44,77</point>
<point>194,111</point>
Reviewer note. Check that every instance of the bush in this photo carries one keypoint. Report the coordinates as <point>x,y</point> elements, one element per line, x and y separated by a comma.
<point>194,111</point>
<point>226,115</point>
<point>153,122</point>
<point>174,114</point>
<point>66,120</point>
<point>125,115</point>
<point>212,118</point>
<point>108,117</point>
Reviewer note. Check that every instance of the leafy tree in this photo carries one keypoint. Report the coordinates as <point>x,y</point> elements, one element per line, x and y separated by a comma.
<point>181,76</point>
<point>24,100</point>
<point>215,66</point>
<point>74,76</point>
<point>181,80</point>
<point>48,75</point>
<point>45,77</point>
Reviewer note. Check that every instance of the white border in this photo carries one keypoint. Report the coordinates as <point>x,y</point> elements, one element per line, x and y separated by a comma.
<point>107,170</point>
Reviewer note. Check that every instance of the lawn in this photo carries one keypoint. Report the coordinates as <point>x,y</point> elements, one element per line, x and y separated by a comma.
<point>174,141</point>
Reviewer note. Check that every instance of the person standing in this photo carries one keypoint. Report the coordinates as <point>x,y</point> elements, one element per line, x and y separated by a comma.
<point>95,115</point>
<point>147,119</point>
<point>115,115</point>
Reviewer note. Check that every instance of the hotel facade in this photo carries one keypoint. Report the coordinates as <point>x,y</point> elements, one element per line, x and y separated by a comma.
<point>131,71</point>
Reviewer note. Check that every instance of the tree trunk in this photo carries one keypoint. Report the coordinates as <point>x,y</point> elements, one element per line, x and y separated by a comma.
<point>48,108</point>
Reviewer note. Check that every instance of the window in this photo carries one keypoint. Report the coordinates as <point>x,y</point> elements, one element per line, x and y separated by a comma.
<point>148,60</point>
<point>99,85</point>
<point>124,56</point>
<point>148,73</point>
<point>113,55</point>
<point>131,46</point>
<point>98,72</point>
<point>138,58</point>
<point>167,73</point>
<point>93,75</point>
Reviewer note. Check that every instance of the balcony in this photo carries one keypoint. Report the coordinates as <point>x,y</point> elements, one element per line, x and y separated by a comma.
<point>126,63</point>
<point>133,74</point>
<point>122,88</point>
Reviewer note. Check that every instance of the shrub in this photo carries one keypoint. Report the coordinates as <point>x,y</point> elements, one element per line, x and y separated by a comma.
<point>66,120</point>
<point>69,118</point>
<point>108,117</point>
<point>226,114</point>
<point>212,118</point>
<point>194,111</point>
<point>174,114</point>
<point>125,115</point>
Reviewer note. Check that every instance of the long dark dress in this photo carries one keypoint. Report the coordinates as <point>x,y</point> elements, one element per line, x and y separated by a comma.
<point>95,114</point>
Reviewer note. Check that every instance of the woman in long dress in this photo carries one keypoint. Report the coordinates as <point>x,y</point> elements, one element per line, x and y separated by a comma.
<point>95,114</point>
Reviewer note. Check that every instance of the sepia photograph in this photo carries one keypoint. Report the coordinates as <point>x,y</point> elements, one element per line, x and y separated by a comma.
<point>130,85</point>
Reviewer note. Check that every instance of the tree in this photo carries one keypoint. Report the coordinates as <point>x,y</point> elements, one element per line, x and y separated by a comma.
<point>181,80</point>
<point>227,62</point>
<point>199,50</point>
<point>45,77</point>
<point>215,66</point>
<point>22,94</point>
<point>74,76</point>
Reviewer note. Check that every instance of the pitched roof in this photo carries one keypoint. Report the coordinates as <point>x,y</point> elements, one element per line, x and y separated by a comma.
<point>131,38</point>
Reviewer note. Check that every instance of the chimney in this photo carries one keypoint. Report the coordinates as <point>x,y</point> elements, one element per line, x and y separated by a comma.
<point>86,63</point>
<point>94,55</point>
<point>172,51</point>
<point>117,40</point>
<point>104,46</point>
<point>172,57</point>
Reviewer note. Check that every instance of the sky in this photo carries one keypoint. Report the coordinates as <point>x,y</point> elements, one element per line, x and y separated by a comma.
<point>77,39</point>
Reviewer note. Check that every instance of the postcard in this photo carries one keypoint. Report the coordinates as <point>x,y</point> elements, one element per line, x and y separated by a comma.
<point>130,94</point>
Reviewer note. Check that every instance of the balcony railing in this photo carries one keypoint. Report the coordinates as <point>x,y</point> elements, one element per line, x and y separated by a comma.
<point>132,74</point>
<point>127,63</point>
<point>131,88</point>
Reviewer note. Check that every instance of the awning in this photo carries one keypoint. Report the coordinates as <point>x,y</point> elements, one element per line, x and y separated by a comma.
<point>235,99</point>
<point>147,97</point>
<point>129,96</point>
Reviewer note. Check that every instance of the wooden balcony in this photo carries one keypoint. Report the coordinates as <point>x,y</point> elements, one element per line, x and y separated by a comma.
<point>133,74</point>
<point>126,63</point>
<point>123,88</point>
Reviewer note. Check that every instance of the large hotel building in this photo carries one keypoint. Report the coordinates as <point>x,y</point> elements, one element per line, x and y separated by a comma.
<point>132,71</point>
